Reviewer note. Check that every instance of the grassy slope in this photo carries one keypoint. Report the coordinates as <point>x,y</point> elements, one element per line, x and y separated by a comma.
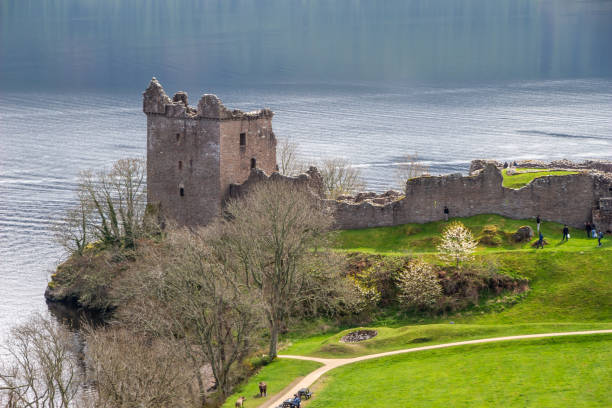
<point>573,371</point>
<point>522,179</point>
<point>419,238</point>
<point>571,289</point>
<point>277,375</point>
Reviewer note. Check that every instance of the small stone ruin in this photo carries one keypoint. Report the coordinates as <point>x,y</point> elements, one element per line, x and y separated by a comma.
<point>523,234</point>
<point>358,335</point>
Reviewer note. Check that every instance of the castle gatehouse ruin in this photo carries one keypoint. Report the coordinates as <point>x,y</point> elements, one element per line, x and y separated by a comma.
<point>198,158</point>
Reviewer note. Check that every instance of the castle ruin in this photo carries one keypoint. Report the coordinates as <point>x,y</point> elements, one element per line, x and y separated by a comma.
<point>198,158</point>
<point>194,155</point>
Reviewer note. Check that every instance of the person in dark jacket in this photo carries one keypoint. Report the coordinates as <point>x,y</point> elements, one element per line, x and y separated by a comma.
<point>566,234</point>
<point>587,227</point>
<point>600,236</point>
<point>538,221</point>
<point>446,213</point>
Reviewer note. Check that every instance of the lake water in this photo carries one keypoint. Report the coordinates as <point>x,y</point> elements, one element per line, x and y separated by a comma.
<point>451,81</point>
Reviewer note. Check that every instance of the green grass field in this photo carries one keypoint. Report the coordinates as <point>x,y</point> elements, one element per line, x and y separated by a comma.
<point>277,375</point>
<point>419,238</point>
<point>412,336</point>
<point>556,372</point>
<point>570,289</point>
<point>526,175</point>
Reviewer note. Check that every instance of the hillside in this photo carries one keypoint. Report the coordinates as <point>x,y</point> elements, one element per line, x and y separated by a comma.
<point>570,290</point>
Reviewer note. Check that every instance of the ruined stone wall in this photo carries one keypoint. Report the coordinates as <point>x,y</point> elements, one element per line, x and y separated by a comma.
<point>260,146</point>
<point>566,199</point>
<point>311,180</point>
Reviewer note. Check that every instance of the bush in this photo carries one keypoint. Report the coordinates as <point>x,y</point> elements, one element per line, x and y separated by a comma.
<point>379,279</point>
<point>490,236</point>
<point>418,286</point>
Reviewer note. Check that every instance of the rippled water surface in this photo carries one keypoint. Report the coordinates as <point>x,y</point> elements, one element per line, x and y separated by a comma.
<point>368,81</point>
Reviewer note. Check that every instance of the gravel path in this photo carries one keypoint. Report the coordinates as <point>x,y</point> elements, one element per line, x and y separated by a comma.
<point>331,363</point>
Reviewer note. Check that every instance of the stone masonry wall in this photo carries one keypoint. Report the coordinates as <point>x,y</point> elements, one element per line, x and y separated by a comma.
<point>193,155</point>
<point>236,160</point>
<point>311,180</point>
<point>566,199</point>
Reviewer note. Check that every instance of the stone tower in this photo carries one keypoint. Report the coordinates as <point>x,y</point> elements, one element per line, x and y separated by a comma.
<point>193,155</point>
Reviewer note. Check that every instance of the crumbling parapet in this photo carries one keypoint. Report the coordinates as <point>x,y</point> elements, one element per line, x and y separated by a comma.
<point>311,180</point>
<point>209,106</point>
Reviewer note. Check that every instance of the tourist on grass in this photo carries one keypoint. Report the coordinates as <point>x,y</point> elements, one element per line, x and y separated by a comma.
<point>540,243</point>
<point>538,220</point>
<point>566,234</point>
<point>446,213</point>
<point>599,237</point>
<point>594,232</point>
<point>588,227</point>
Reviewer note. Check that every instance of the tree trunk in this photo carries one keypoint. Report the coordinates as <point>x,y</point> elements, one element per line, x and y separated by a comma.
<point>274,329</point>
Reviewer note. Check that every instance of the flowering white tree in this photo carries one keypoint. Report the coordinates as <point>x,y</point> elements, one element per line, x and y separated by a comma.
<point>457,244</point>
<point>418,286</point>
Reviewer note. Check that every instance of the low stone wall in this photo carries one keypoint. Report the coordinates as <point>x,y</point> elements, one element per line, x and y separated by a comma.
<point>311,180</point>
<point>568,199</point>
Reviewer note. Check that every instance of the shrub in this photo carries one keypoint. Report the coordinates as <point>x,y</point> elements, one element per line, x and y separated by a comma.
<point>490,236</point>
<point>380,278</point>
<point>418,286</point>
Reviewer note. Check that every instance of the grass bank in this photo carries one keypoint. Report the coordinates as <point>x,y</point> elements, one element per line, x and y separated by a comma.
<point>571,371</point>
<point>494,233</point>
<point>524,176</point>
<point>277,375</point>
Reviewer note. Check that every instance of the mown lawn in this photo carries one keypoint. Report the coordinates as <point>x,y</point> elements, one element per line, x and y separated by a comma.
<point>494,231</point>
<point>277,375</point>
<point>526,175</point>
<point>556,372</point>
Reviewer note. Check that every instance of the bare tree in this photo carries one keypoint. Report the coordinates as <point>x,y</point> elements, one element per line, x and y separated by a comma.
<point>72,231</point>
<point>117,199</point>
<point>412,167</point>
<point>270,236</point>
<point>327,290</point>
<point>199,301</point>
<point>131,370</point>
<point>41,368</point>
<point>340,177</point>
<point>289,162</point>
<point>457,243</point>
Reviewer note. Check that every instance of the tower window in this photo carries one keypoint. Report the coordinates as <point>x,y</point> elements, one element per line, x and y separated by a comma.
<point>242,139</point>
<point>180,165</point>
<point>253,163</point>
<point>182,192</point>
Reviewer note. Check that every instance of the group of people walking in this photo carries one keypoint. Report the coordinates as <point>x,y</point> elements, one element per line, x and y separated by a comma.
<point>591,231</point>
